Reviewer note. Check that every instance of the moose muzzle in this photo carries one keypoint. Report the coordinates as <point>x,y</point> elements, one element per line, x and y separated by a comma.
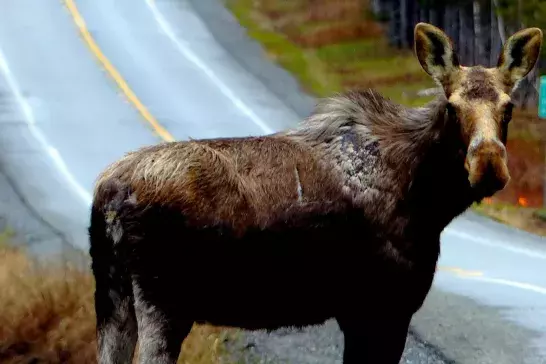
<point>486,163</point>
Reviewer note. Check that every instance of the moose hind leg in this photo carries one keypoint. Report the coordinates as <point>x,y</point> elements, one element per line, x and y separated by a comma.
<point>161,332</point>
<point>116,327</point>
<point>374,340</point>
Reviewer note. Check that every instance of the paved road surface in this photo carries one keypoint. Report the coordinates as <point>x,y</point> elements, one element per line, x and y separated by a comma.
<point>189,67</point>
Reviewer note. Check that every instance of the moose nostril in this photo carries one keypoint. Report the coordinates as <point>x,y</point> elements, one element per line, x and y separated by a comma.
<point>493,180</point>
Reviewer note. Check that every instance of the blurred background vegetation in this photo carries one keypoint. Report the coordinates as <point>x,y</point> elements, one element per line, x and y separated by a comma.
<point>331,46</point>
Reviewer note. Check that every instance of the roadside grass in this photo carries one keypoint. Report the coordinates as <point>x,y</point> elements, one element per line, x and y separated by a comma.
<point>541,214</point>
<point>47,315</point>
<point>532,220</point>
<point>334,46</point>
<point>339,50</point>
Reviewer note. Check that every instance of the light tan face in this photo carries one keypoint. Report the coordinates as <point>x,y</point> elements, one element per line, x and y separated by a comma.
<point>479,99</point>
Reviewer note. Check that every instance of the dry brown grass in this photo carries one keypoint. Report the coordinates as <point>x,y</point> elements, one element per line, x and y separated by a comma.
<point>47,315</point>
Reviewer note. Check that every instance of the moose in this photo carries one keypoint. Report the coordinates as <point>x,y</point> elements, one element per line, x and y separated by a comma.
<point>337,217</point>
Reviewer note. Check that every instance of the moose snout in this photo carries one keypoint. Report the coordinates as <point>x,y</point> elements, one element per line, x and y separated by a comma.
<point>486,163</point>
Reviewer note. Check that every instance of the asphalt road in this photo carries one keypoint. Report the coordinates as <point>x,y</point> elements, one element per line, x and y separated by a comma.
<point>191,72</point>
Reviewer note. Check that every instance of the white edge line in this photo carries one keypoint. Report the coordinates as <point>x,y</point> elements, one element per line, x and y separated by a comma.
<point>186,52</point>
<point>487,242</point>
<point>500,281</point>
<point>30,120</point>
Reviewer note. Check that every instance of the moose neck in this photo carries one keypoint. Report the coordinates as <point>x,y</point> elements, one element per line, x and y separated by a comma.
<point>426,159</point>
<point>401,164</point>
<point>438,188</point>
<point>424,150</point>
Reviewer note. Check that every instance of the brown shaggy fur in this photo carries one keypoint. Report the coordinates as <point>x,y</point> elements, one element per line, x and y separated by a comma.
<point>338,217</point>
<point>242,182</point>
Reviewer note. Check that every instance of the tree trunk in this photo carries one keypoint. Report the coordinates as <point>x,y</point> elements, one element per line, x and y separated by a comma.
<point>452,19</point>
<point>466,35</point>
<point>392,28</point>
<point>496,40</point>
<point>500,22</point>
<point>404,23</point>
<point>433,15</point>
<point>423,14</point>
<point>486,26</point>
<point>520,14</point>
<point>478,41</point>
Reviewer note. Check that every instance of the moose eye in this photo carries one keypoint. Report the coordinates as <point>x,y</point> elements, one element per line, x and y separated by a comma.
<point>507,113</point>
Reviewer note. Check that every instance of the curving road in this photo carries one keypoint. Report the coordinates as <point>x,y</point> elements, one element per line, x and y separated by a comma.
<point>83,82</point>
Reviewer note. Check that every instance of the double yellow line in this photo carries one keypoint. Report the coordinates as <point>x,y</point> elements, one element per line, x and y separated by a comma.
<point>80,23</point>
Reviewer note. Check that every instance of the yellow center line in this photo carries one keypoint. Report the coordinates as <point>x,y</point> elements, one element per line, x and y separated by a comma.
<point>460,272</point>
<point>80,23</point>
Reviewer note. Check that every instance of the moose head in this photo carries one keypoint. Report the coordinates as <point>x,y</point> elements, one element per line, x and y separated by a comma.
<point>479,102</point>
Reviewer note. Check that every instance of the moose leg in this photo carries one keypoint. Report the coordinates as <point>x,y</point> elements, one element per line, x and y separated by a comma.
<point>116,327</point>
<point>116,321</point>
<point>161,332</point>
<point>374,340</point>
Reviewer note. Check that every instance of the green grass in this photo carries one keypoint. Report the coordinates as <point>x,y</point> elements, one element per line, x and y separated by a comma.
<point>358,50</point>
<point>6,238</point>
<point>373,54</point>
<point>281,6</point>
<point>484,211</point>
<point>529,219</point>
<point>484,208</point>
<point>398,92</point>
<point>541,214</point>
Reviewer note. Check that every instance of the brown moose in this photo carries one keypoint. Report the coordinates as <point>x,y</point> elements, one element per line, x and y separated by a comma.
<point>339,217</point>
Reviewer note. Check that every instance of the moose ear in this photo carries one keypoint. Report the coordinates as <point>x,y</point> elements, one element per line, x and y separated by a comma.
<point>435,52</point>
<point>519,55</point>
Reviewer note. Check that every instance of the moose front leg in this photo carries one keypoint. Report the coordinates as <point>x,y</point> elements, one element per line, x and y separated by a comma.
<point>377,340</point>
